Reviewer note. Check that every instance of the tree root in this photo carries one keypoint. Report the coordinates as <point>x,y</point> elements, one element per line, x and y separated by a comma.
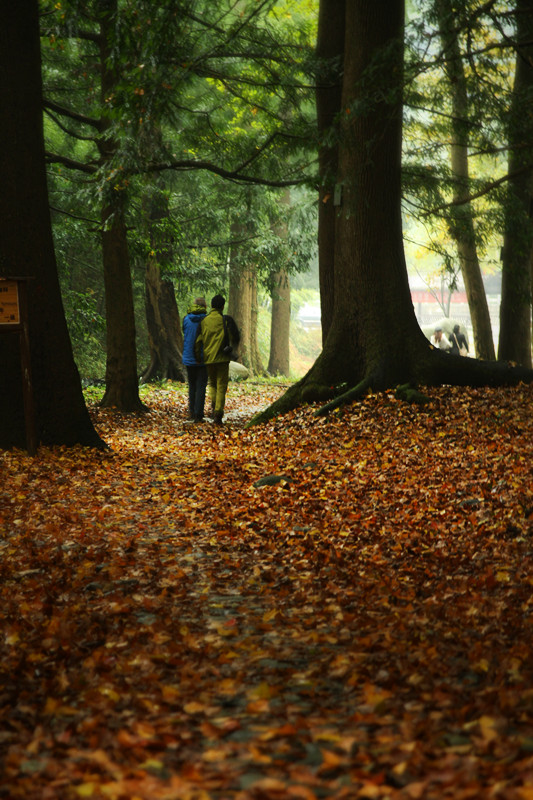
<point>356,393</point>
<point>410,394</point>
<point>430,368</point>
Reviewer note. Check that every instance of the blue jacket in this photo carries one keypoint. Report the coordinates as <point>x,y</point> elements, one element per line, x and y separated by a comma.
<point>191,323</point>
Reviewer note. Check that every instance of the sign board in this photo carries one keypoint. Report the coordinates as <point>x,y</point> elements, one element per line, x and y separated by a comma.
<point>9,303</point>
<point>14,317</point>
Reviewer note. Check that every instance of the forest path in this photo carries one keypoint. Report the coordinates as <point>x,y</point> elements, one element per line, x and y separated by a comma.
<point>361,628</point>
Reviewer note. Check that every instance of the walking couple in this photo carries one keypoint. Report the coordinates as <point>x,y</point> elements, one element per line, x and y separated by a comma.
<point>208,341</point>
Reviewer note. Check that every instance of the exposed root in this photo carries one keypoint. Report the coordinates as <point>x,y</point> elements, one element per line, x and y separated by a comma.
<point>433,368</point>
<point>410,394</point>
<point>356,393</point>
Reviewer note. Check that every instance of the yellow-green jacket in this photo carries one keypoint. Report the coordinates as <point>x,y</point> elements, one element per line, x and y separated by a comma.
<point>212,336</point>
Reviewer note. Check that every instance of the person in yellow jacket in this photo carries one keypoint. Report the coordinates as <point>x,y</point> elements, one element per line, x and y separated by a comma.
<point>218,335</point>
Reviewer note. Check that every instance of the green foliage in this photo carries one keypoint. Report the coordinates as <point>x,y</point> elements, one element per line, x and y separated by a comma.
<point>196,92</point>
<point>484,36</point>
<point>87,333</point>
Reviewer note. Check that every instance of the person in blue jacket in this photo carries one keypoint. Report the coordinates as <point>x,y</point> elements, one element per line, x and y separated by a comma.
<point>196,371</point>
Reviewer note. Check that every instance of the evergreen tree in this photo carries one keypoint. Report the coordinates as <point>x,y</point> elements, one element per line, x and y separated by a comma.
<point>374,341</point>
<point>27,250</point>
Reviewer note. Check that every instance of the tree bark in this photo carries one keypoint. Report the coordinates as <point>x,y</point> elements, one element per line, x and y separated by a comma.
<point>280,326</point>
<point>374,341</point>
<point>329,51</point>
<point>462,223</point>
<point>243,305</point>
<point>256,363</point>
<point>122,380</point>
<point>239,297</point>
<point>517,268</point>
<point>26,250</point>
<point>165,335</point>
<point>279,362</point>
<point>164,328</point>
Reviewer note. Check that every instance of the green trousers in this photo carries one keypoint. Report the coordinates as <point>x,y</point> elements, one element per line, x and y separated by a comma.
<point>217,382</point>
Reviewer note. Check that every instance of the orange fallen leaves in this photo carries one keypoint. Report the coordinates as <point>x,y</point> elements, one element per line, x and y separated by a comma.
<point>360,628</point>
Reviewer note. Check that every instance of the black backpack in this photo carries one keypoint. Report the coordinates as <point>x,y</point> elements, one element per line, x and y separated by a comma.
<point>232,336</point>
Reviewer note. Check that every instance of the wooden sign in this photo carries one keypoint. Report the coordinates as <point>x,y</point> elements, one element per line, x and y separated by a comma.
<point>9,303</point>
<point>14,317</point>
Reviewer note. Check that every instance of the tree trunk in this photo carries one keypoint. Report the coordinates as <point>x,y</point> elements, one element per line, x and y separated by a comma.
<point>164,328</point>
<point>462,223</point>
<point>257,367</point>
<point>122,380</point>
<point>240,298</point>
<point>374,332</point>
<point>374,318</point>
<point>162,316</point>
<point>26,249</point>
<point>329,51</point>
<point>278,363</point>
<point>243,307</point>
<point>374,340</point>
<point>280,326</point>
<point>515,309</point>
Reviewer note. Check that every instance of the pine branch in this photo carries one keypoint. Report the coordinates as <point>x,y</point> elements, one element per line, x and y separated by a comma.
<point>70,163</point>
<point>486,189</point>
<point>67,112</point>
<point>66,130</point>
<point>231,175</point>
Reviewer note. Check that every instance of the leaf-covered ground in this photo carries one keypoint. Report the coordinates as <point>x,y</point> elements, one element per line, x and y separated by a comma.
<point>360,628</point>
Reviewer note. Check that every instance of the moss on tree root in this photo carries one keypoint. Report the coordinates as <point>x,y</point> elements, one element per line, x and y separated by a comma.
<point>433,369</point>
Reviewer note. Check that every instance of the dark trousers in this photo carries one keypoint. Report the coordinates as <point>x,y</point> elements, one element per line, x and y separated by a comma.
<point>197,379</point>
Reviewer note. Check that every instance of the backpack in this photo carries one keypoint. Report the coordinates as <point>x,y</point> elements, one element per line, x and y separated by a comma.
<point>230,326</point>
<point>232,336</point>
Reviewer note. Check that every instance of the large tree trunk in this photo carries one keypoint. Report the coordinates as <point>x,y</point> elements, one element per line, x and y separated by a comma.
<point>256,364</point>
<point>515,309</point>
<point>242,304</point>
<point>26,249</point>
<point>243,307</point>
<point>278,363</point>
<point>162,316</point>
<point>462,222</point>
<point>374,339</point>
<point>374,334</point>
<point>164,328</point>
<point>329,51</point>
<point>280,325</point>
<point>122,380</point>
<point>239,297</point>
<point>374,320</point>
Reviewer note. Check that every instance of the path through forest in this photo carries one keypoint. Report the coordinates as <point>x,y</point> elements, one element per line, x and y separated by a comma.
<point>358,627</point>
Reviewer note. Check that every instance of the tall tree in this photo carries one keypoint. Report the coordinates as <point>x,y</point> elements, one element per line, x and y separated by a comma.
<point>517,268</point>
<point>122,382</point>
<point>96,25</point>
<point>242,300</point>
<point>329,53</point>
<point>26,249</point>
<point>461,216</point>
<point>279,360</point>
<point>374,340</point>
<point>240,297</point>
<point>280,293</point>
<point>162,315</point>
<point>164,327</point>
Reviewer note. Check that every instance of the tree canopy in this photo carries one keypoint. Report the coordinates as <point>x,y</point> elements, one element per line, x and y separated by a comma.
<point>157,143</point>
